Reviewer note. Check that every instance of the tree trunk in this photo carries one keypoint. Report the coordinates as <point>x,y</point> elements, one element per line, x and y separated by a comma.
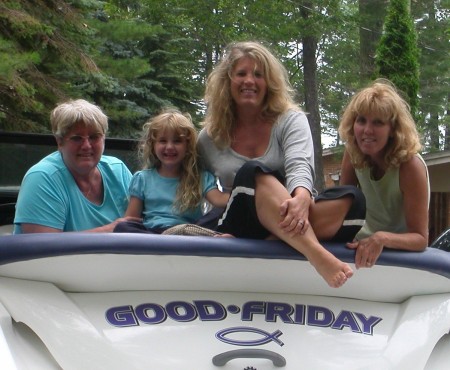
<point>311,101</point>
<point>371,17</point>
<point>447,130</point>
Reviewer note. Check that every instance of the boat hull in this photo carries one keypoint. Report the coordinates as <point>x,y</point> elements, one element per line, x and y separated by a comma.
<point>169,302</point>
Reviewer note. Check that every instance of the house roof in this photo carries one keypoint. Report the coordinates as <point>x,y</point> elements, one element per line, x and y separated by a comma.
<point>439,168</point>
<point>433,159</point>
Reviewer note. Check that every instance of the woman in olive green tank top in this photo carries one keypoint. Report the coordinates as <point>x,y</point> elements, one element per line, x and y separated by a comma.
<point>381,156</point>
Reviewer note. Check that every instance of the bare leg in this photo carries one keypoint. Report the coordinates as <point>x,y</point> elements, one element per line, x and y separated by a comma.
<point>326,217</point>
<point>269,194</point>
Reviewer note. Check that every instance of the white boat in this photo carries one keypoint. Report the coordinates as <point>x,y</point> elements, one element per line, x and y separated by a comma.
<point>133,301</point>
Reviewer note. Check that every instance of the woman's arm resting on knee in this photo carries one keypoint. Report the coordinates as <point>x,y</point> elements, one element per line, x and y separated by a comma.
<point>294,212</point>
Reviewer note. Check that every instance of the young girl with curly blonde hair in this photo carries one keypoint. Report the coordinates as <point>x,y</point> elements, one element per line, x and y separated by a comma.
<point>169,190</point>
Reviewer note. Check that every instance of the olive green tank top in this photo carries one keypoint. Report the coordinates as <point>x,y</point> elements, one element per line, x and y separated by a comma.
<point>384,201</point>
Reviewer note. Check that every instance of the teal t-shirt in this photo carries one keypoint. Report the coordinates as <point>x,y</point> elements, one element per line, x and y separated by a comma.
<point>49,196</point>
<point>158,194</point>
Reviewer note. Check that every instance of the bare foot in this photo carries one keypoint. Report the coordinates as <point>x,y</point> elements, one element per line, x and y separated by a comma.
<point>334,271</point>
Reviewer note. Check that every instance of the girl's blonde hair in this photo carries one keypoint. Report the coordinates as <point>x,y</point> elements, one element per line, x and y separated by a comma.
<point>381,100</point>
<point>220,113</point>
<point>189,191</point>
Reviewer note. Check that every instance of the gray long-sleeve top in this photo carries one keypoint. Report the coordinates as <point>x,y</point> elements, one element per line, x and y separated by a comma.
<point>290,151</point>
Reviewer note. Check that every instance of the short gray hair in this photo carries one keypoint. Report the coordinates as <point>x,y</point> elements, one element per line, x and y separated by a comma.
<point>69,113</point>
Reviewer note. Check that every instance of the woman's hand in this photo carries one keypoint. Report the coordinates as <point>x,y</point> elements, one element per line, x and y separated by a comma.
<point>367,250</point>
<point>110,227</point>
<point>294,212</point>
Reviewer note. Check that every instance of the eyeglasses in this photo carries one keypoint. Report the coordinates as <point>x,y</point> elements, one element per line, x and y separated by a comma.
<point>93,139</point>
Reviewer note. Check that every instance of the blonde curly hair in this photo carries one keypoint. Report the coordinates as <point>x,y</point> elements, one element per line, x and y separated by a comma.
<point>189,191</point>
<point>381,99</point>
<point>220,113</point>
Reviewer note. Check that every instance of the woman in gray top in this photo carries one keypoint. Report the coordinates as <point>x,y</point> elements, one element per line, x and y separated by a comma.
<point>258,143</point>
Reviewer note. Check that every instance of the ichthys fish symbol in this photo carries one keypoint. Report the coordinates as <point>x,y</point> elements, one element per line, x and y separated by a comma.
<point>266,337</point>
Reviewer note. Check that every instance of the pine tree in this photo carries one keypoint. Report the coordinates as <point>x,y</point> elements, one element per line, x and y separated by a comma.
<point>397,53</point>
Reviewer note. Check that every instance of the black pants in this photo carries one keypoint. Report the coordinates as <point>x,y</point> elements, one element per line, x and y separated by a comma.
<point>241,220</point>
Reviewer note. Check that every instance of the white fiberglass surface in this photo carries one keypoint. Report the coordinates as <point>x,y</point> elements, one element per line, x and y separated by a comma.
<point>187,329</point>
<point>105,272</point>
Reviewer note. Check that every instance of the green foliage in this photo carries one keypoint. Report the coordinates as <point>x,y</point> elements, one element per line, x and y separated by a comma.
<point>12,60</point>
<point>148,72</point>
<point>24,26</point>
<point>46,40</point>
<point>397,53</point>
<point>135,57</point>
<point>434,41</point>
<point>338,74</point>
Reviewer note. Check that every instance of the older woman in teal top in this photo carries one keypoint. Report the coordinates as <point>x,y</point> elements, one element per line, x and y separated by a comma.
<point>381,157</point>
<point>76,188</point>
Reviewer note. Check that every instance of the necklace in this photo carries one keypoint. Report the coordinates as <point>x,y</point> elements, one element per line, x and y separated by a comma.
<point>90,189</point>
<point>88,192</point>
<point>94,193</point>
